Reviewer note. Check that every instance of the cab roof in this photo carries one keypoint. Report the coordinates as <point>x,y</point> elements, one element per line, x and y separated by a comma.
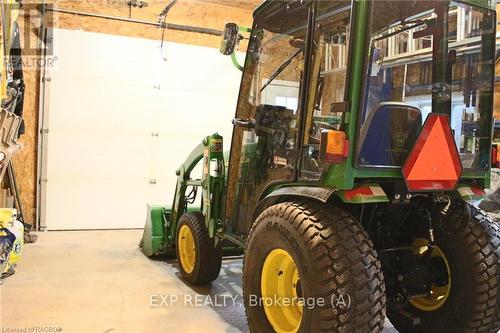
<point>488,4</point>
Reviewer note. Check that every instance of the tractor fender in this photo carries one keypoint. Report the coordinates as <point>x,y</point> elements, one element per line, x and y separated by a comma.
<point>361,194</point>
<point>318,193</point>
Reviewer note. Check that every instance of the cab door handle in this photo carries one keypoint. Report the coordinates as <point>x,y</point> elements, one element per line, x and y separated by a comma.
<point>245,123</point>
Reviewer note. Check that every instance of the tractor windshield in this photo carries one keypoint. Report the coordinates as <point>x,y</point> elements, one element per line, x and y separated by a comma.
<point>270,99</point>
<point>427,56</point>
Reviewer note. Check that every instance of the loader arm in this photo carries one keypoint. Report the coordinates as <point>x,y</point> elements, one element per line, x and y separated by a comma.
<point>161,225</point>
<point>183,181</point>
<point>212,184</point>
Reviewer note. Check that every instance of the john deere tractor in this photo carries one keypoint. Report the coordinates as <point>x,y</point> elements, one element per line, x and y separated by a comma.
<point>361,147</point>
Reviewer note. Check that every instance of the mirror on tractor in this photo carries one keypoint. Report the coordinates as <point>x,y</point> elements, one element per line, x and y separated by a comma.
<point>230,39</point>
<point>389,134</point>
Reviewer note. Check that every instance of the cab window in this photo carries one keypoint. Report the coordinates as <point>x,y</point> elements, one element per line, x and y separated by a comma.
<point>328,81</point>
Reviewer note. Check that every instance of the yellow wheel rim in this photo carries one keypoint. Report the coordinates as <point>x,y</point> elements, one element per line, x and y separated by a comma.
<point>187,249</point>
<point>439,295</point>
<point>281,292</point>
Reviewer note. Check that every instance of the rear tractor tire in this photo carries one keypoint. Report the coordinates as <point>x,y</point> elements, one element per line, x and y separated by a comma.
<point>311,268</point>
<point>468,301</point>
<point>199,260</point>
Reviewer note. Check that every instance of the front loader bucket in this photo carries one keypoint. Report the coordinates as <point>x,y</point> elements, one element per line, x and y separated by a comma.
<point>153,238</point>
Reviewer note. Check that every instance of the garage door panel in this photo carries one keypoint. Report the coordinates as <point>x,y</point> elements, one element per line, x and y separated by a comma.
<point>89,156</point>
<point>205,111</point>
<point>105,55</point>
<point>122,120</point>
<point>89,92</point>
<point>110,202</point>
<point>211,74</point>
<point>132,120</point>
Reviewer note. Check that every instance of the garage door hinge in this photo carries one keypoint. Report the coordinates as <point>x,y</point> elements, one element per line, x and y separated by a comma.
<point>44,130</point>
<point>47,79</point>
<point>43,180</point>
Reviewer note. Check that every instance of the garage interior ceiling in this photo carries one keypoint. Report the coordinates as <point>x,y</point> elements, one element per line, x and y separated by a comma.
<point>165,25</point>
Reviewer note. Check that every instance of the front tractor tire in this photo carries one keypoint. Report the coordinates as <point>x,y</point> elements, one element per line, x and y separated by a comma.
<point>311,268</point>
<point>200,260</point>
<point>469,301</point>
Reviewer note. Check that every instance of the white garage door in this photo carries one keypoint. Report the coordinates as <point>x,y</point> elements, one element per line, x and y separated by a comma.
<point>122,117</point>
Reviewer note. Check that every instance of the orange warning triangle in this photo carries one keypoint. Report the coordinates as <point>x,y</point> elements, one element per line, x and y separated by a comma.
<point>433,163</point>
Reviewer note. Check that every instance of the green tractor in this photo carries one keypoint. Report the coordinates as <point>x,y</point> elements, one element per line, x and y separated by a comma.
<point>361,147</point>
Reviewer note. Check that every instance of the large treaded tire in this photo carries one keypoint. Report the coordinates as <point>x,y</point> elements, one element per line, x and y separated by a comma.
<point>208,260</point>
<point>493,229</point>
<point>335,259</point>
<point>471,244</point>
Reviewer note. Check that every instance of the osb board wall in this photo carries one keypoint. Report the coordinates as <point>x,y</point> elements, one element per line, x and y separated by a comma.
<point>187,12</point>
<point>25,162</point>
<point>201,13</point>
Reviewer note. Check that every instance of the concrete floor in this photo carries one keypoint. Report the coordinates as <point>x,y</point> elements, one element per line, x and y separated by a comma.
<point>99,282</point>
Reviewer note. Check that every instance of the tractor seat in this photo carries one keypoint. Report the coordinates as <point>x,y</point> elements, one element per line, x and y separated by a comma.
<point>389,134</point>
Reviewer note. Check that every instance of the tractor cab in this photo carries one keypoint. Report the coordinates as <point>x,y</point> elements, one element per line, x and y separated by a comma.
<point>361,144</point>
<point>336,93</point>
